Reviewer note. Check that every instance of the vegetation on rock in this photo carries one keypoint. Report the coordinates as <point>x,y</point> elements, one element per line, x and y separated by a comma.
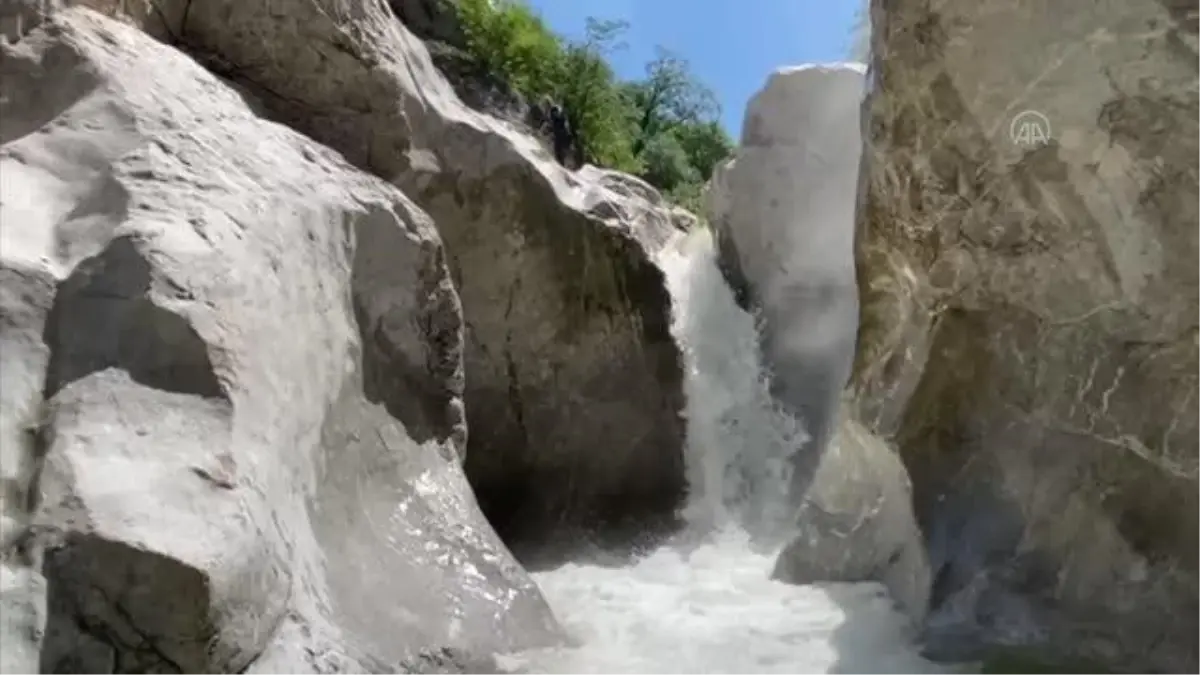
<point>663,128</point>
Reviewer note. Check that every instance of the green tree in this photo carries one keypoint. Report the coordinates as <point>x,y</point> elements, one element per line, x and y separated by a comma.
<point>690,196</point>
<point>590,94</point>
<point>507,39</point>
<point>706,144</point>
<point>663,128</point>
<point>670,95</point>
<point>666,163</point>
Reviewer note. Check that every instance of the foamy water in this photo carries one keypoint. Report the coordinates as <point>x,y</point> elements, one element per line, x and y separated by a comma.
<point>707,604</point>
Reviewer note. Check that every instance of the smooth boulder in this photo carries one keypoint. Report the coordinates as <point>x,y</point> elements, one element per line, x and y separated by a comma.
<point>856,522</point>
<point>575,384</point>
<point>236,381</point>
<point>783,212</point>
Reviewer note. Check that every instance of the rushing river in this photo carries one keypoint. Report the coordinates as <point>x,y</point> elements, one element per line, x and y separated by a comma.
<point>706,604</point>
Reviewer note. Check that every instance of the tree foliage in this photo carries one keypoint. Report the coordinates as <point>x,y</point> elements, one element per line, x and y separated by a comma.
<point>508,39</point>
<point>706,144</point>
<point>663,127</point>
<point>669,96</point>
<point>666,164</point>
<point>590,95</point>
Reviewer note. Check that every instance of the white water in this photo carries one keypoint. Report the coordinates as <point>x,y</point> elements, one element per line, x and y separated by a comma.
<point>707,604</point>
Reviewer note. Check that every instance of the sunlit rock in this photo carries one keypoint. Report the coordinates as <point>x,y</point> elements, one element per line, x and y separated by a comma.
<point>574,385</point>
<point>1027,252</point>
<point>232,363</point>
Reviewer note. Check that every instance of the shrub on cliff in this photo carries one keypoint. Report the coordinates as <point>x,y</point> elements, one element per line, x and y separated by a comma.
<point>590,92</point>
<point>508,39</point>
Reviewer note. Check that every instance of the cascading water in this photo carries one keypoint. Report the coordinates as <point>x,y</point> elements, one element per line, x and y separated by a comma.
<point>706,604</point>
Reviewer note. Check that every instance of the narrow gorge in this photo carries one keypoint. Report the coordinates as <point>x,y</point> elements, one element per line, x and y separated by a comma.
<point>307,365</point>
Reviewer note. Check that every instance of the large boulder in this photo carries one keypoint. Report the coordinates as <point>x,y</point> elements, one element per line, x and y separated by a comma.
<point>783,215</point>
<point>232,366</point>
<point>856,522</point>
<point>1027,254</point>
<point>574,390</point>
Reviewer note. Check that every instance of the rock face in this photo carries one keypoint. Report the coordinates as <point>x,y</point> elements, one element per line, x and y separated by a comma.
<point>233,373</point>
<point>1027,254</point>
<point>574,386</point>
<point>783,214</point>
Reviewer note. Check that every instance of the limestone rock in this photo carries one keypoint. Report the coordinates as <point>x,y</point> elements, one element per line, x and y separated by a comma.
<point>1027,255</point>
<point>575,385</point>
<point>856,522</point>
<point>783,211</point>
<point>25,297</point>
<point>783,214</point>
<point>251,359</point>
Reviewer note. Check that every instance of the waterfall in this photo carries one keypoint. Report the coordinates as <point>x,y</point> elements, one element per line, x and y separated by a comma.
<point>739,440</point>
<point>705,603</point>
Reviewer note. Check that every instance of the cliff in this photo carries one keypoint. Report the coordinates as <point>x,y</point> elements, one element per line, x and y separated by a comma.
<point>1027,253</point>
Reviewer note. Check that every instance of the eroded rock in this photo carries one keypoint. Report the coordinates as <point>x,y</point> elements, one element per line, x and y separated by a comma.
<point>1027,256</point>
<point>251,359</point>
<point>856,522</point>
<point>574,389</point>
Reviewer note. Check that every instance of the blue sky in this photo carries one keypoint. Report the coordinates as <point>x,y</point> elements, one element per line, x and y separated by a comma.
<point>732,45</point>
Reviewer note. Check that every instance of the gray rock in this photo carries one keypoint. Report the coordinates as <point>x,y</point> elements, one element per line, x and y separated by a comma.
<point>856,523</point>
<point>783,215</point>
<point>26,295</point>
<point>575,386</point>
<point>783,211</point>
<point>18,17</point>
<point>251,359</point>
<point>1030,309</point>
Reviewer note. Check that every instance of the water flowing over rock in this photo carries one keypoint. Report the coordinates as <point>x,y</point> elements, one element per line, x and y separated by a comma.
<point>232,381</point>
<point>1027,256</point>
<point>431,20</point>
<point>574,386</point>
<point>783,210</point>
<point>706,600</point>
<point>783,214</point>
<point>437,22</point>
